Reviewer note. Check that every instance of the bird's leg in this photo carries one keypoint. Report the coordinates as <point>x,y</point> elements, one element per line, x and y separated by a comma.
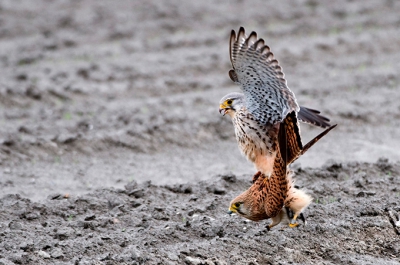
<point>293,222</point>
<point>302,218</point>
<point>275,220</point>
<point>289,213</point>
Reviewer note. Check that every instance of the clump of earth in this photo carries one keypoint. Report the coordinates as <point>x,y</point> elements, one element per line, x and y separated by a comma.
<point>112,149</point>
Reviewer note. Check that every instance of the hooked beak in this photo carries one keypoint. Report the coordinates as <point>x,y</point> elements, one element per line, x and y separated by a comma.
<point>231,210</point>
<point>223,108</point>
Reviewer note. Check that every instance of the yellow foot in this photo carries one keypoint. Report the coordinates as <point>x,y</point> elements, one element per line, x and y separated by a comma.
<point>293,225</point>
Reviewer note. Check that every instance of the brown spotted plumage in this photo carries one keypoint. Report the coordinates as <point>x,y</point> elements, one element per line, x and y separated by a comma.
<point>267,196</point>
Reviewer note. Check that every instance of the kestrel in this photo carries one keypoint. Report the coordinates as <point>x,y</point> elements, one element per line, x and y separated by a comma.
<point>266,100</point>
<point>267,196</point>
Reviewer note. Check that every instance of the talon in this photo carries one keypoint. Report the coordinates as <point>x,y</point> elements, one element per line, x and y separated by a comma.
<point>302,218</point>
<point>292,225</point>
<point>289,212</point>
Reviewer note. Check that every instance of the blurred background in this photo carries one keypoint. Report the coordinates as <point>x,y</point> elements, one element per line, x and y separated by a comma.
<point>99,93</point>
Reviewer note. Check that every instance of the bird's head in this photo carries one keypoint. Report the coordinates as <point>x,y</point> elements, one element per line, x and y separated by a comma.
<point>241,205</point>
<point>237,206</point>
<point>250,204</point>
<point>230,103</point>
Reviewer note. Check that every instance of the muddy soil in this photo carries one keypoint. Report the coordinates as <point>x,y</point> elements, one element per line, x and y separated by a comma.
<point>97,98</point>
<point>352,221</point>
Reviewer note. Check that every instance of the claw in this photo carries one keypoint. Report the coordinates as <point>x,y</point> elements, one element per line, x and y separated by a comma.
<point>293,222</point>
<point>289,212</point>
<point>292,225</point>
<point>302,218</point>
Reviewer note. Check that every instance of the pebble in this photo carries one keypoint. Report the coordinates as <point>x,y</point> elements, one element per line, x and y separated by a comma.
<point>193,261</point>
<point>219,190</point>
<point>14,225</point>
<point>365,193</point>
<point>64,233</point>
<point>131,186</point>
<point>57,253</point>
<point>55,196</point>
<point>66,138</point>
<point>137,193</point>
<point>44,254</point>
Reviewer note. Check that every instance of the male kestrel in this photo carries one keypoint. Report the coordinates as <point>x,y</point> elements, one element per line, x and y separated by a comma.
<point>267,196</point>
<point>266,101</point>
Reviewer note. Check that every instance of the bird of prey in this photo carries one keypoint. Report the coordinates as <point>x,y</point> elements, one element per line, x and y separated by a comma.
<point>267,196</point>
<point>266,100</point>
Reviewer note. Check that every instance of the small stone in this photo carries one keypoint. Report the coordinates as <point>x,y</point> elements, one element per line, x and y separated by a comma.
<point>90,217</point>
<point>219,191</point>
<point>13,225</point>
<point>44,254</point>
<point>193,261</point>
<point>66,138</point>
<point>229,178</point>
<point>57,253</point>
<point>64,233</point>
<point>32,216</point>
<point>131,186</point>
<point>173,256</point>
<point>181,188</point>
<point>105,256</point>
<point>55,196</point>
<point>365,193</point>
<point>137,193</point>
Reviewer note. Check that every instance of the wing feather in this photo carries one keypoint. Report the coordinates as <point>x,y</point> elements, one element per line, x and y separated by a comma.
<point>268,98</point>
<point>312,116</point>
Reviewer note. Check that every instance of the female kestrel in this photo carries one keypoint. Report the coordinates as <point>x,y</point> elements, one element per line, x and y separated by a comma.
<point>266,101</point>
<point>267,196</point>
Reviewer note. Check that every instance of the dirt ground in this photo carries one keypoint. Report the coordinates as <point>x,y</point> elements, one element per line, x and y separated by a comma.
<point>112,150</point>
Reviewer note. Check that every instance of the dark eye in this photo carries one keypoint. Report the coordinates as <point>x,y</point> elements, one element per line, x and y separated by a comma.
<point>237,205</point>
<point>229,102</point>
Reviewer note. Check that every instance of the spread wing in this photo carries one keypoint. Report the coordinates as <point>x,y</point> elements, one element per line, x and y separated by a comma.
<point>268,98</point>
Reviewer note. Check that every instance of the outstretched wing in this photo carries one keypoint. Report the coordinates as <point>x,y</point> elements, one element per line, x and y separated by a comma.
<point>268,98</point>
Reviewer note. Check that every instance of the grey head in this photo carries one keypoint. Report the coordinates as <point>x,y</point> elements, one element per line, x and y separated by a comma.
<point>231,103</point>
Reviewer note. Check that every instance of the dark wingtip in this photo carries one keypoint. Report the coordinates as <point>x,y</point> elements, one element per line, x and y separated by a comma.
<point>312,116</point>
<point>233,76</point>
